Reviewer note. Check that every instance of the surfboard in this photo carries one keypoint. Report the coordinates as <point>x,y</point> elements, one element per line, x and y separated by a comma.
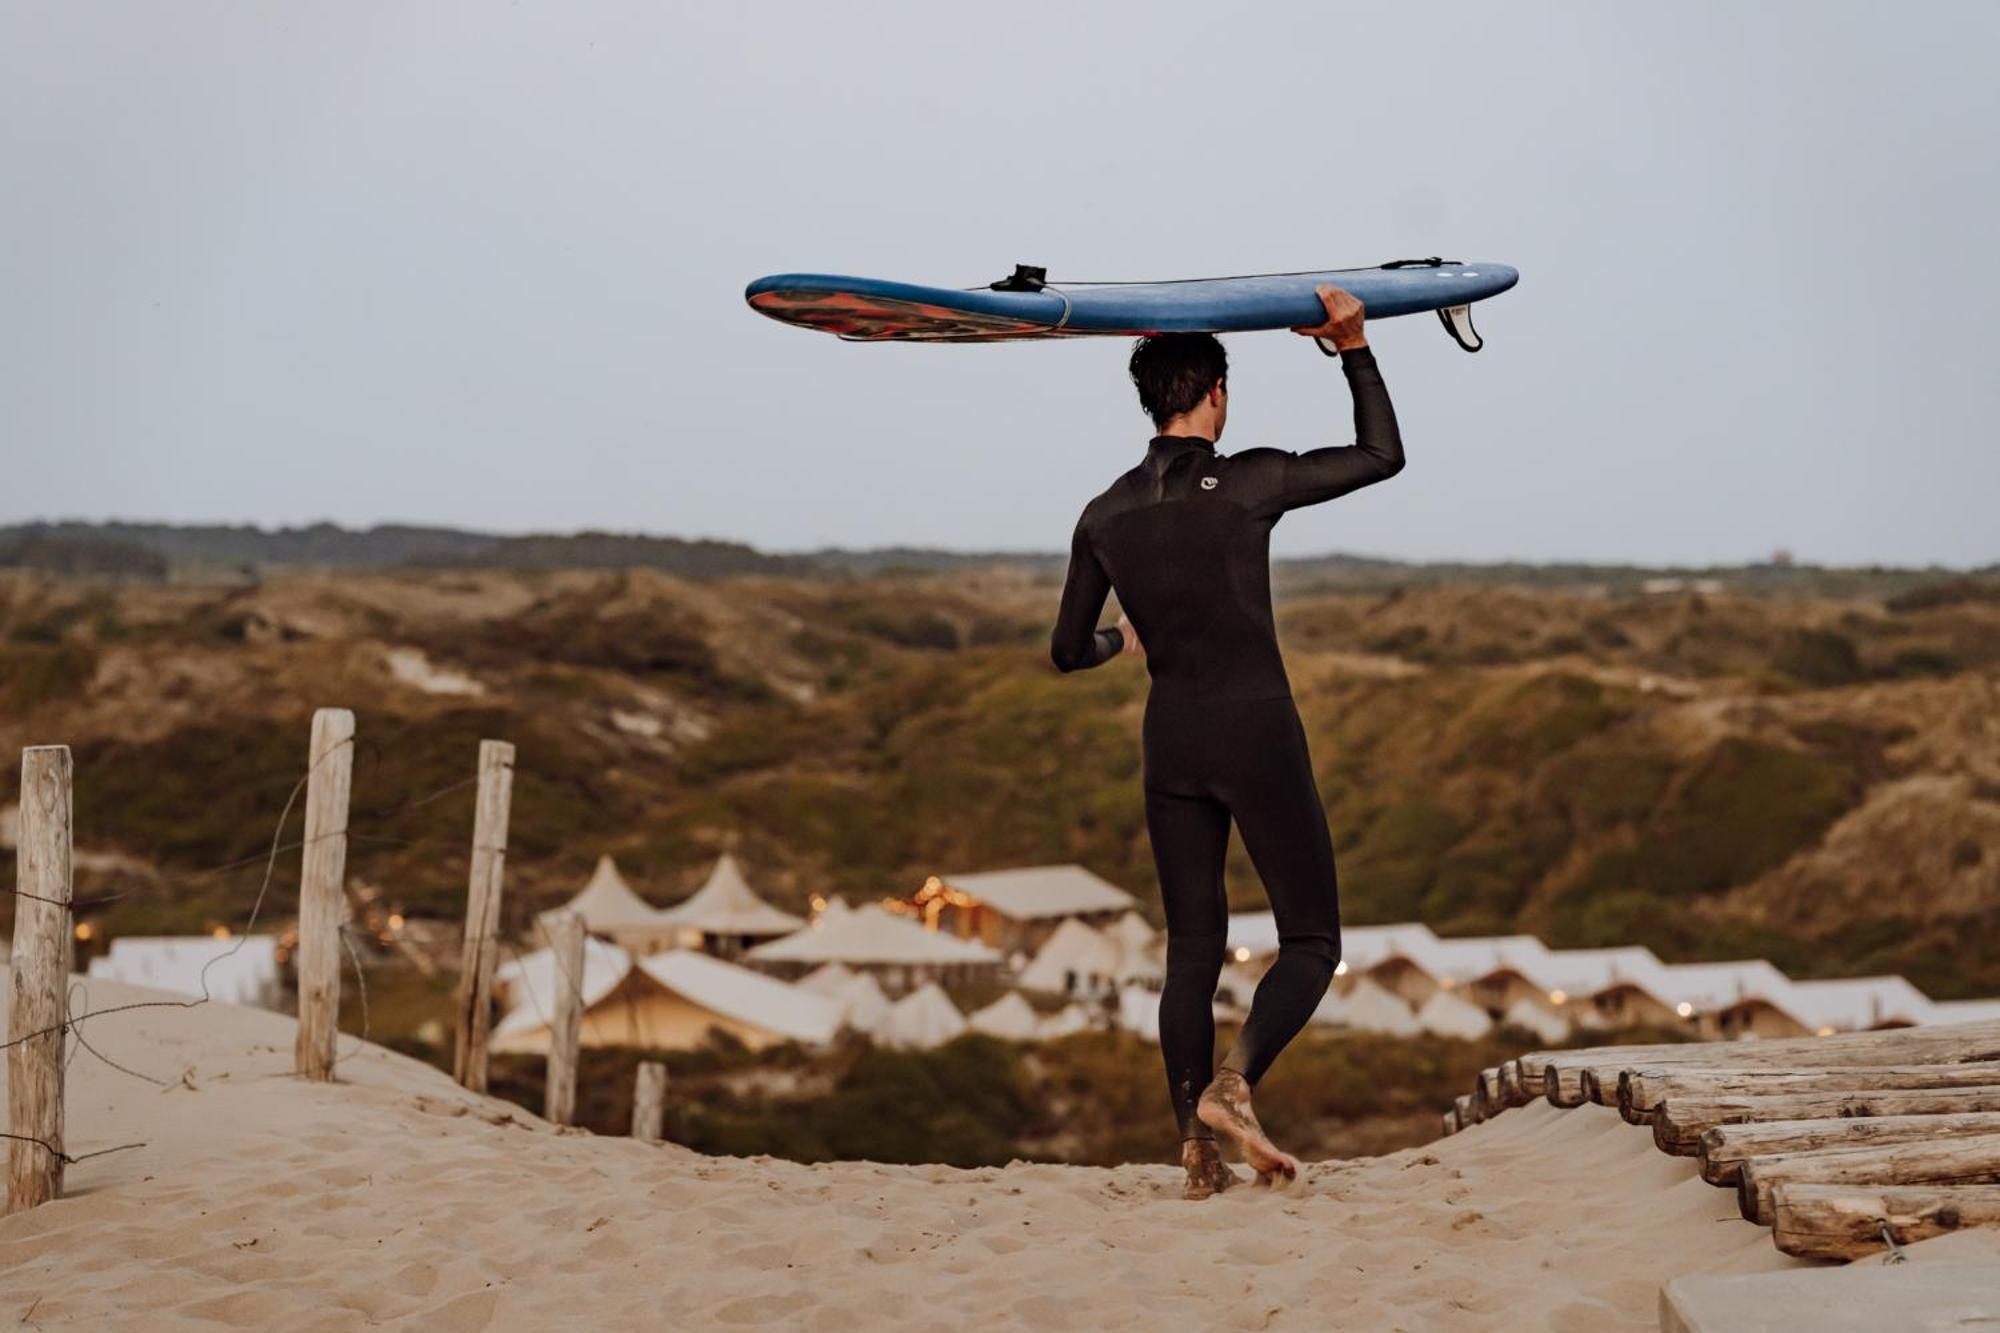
<point>1029,304</point>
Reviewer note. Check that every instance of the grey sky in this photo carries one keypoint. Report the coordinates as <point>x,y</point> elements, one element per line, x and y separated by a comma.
<point>483,264</point>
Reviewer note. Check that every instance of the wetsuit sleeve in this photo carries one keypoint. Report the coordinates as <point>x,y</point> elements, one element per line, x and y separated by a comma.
<point>1280,480</point>
<point>1077,642</point>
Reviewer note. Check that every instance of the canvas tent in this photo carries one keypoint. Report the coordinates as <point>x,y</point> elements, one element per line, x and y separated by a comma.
<point>921,1020</point>
<point>1010,1017</point>
<point>666,1001</point>
<point>725,916</point>
<point>231,969</point>
<point>612,911</point>
<point>1017,909</point>
<point>901,953</point>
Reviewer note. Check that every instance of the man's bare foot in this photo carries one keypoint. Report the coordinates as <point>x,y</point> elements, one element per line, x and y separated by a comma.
<point>1207,1173</point>
<point>1225,1108</point>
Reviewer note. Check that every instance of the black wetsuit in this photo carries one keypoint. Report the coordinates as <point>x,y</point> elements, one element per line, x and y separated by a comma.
<point>1184,538</point>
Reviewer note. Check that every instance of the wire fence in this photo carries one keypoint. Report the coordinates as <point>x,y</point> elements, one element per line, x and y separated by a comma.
<point>77,995</point>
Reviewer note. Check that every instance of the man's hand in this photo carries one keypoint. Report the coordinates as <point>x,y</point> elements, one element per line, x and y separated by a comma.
<point>1343,319</point>
<point>1132,644</point>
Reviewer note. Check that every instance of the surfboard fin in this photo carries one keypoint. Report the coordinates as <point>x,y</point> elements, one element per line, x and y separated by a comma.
<point>1457,321</point>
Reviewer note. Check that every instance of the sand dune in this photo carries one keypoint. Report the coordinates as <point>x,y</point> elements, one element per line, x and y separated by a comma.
<point>394,1198</point>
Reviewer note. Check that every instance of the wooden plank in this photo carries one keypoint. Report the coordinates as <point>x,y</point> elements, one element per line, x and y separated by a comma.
<point>566,1028</point>
<point>1467,1113</point>
<point>1450,1125</point>
<point>1679,1123</point>
<point>1967,1161</point>
<point>649,1102</point>
<point>323,892</point>
<point>40,983</point>
<point>1512,1092</point>
<point>1640,1091</point>
<point>482,913</point>
<point>1847,1221</point>
<point>1725,1148</point>
<point>1943,1043</point>
<point>1486,1089</point>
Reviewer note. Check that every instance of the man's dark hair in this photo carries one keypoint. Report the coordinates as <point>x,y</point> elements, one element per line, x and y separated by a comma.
<point>1174,371</point>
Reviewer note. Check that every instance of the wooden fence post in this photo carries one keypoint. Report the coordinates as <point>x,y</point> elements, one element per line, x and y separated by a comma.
<point>482,912</point>
<point>322,891</point>
<point>649,1102</point>
<point>566,949</point>
<point>40,980</point>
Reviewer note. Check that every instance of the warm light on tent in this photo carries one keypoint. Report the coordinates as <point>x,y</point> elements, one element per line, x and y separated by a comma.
<point>1242,953</point>
<point>1684,1009</point>
<point>1557,997</point>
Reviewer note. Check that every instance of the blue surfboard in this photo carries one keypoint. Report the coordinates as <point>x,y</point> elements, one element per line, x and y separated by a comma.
<point>1031,305</point>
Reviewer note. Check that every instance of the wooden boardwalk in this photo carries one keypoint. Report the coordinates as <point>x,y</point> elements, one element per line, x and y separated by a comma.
<point>1842,1145</point>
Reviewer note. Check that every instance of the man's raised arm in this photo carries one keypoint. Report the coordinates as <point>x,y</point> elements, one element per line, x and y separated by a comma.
<point>1377,452</point>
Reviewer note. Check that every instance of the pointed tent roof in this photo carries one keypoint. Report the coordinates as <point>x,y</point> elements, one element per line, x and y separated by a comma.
<point>746,996</point>
<point>1448,1015</point>
<point>1372,1009</point>
<point>870,935</point>
<point>864,1006</point>
<point>1525,1013</point>
<point>607,904</point>
<point>725,904</point>
<point>1073,947</point>
<point>531,981</point>
<point>1070,1018</point>
<point>924,1018</point>
<point>1043,891</point>
<point>1010,1017</point>
<point>829,980</point>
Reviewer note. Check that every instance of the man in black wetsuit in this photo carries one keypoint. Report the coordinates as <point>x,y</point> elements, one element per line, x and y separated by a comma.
<point>1184,538</point>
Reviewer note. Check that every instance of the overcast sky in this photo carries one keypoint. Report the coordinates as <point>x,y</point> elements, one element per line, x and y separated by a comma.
<point>482,265</point>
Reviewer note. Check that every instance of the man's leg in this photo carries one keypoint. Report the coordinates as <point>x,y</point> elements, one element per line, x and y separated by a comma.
<point>1190,836</point>
<point>1275,803</point>
<point>1283,824</point>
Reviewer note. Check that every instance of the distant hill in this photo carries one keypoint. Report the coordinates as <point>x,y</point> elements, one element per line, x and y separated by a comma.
<point>159,550</point>
<point>1808,779</point>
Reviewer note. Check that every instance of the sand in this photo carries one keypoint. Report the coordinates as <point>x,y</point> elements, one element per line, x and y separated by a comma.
<point>393,1198</point>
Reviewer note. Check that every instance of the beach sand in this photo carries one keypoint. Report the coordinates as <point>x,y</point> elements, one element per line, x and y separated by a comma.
<point>394,1198</point>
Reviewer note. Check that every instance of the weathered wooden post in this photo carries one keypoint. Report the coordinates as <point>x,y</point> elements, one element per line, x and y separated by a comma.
<point>40,980</point>
<point>565,1029</point>
<point>482,912</point>
<point>322,892</point>
<point>649,1102</point>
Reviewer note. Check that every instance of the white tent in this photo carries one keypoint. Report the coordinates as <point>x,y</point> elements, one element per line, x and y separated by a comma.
<point>1139,1011</point>
<point>1010,1017</point>
<point>234,969</point>
<point>748,997</point>
<point>1369,1008</point>
<point>923,1019</point>
<point>726,905</point>
<point>611,909</point>
<point>1039,892</point>
<point>1532,1017</point>
<point>527,982</point>
<point>864,1004</point>
<point>665,1000</point>
<point>1070,1018</point>
<point>870,936</point>
<point>1075,959</point>
<point>1449,1015</point>
<point>831,979</point>
<point>1133,932</point>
